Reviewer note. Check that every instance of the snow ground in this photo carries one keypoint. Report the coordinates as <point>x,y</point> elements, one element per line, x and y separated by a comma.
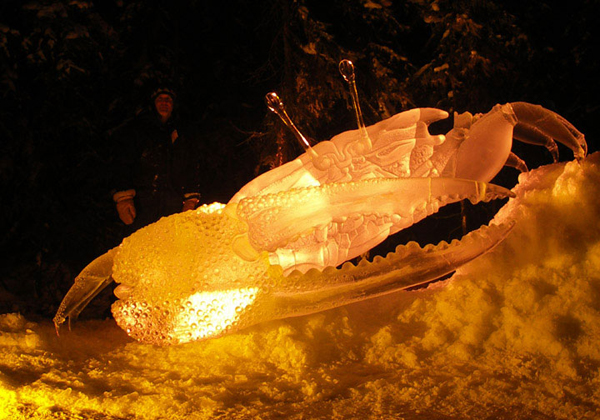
<point>512,335</point>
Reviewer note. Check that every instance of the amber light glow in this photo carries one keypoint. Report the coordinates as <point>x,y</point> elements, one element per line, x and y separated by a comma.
<point>209,313</point>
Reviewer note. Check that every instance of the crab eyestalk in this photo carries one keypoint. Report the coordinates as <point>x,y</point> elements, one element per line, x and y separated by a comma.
<point>276,105</point>
<point>347,71</point>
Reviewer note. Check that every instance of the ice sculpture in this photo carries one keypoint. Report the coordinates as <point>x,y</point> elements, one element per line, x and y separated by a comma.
<point>272,251</point>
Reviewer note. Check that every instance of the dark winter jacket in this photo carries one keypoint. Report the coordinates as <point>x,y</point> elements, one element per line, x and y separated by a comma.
<point>161,172</point>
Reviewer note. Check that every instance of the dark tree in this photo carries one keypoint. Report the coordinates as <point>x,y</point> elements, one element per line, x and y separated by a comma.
<point>74,71</point>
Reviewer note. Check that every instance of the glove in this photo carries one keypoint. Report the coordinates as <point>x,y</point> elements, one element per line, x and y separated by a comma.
<point>190,204</point>
<point>125,206</point>
<point>126,210</point>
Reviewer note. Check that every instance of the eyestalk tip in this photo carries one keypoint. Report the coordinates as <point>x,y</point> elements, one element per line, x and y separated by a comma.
<point>276,105</point>
<point>347,70</point>
<point>273,102</point>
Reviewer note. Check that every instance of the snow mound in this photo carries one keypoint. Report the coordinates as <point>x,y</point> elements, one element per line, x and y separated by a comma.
<point>514,334</point>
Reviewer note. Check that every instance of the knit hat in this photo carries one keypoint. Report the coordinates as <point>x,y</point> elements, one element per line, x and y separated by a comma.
<point>164,90</point>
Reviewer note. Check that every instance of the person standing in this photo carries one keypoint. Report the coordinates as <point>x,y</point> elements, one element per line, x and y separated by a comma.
<point>156,170</point>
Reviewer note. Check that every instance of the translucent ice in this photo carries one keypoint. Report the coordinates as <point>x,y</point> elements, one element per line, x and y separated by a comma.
<point>271,252</point>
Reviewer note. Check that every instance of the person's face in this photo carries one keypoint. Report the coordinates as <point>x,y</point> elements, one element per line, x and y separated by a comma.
<point>164,106</point>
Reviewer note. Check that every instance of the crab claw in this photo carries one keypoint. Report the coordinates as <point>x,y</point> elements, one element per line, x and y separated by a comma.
<point>540,126</point>
<point>91,281</point>
<point>348,218</point>
<point>407,267</point>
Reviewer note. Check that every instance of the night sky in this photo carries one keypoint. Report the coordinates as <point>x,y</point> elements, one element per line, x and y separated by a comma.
<point>72,72</point>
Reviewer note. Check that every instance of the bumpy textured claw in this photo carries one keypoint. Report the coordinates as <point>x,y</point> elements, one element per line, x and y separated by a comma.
<point>540,126</point>
<point>230,294</point>
<point>316,291</point>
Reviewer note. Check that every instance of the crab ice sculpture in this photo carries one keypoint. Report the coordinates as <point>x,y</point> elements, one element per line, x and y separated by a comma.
<point>272,251</point>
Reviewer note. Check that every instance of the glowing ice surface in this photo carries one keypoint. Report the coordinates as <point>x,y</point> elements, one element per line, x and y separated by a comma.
<point>271,252</point>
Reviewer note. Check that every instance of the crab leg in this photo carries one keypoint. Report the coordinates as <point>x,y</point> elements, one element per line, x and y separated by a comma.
<point>540,126</point>
<point>487,144</point>
<point>516,162</point>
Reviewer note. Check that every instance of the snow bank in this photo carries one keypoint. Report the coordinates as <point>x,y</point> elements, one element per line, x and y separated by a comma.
<point>514,334</point>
